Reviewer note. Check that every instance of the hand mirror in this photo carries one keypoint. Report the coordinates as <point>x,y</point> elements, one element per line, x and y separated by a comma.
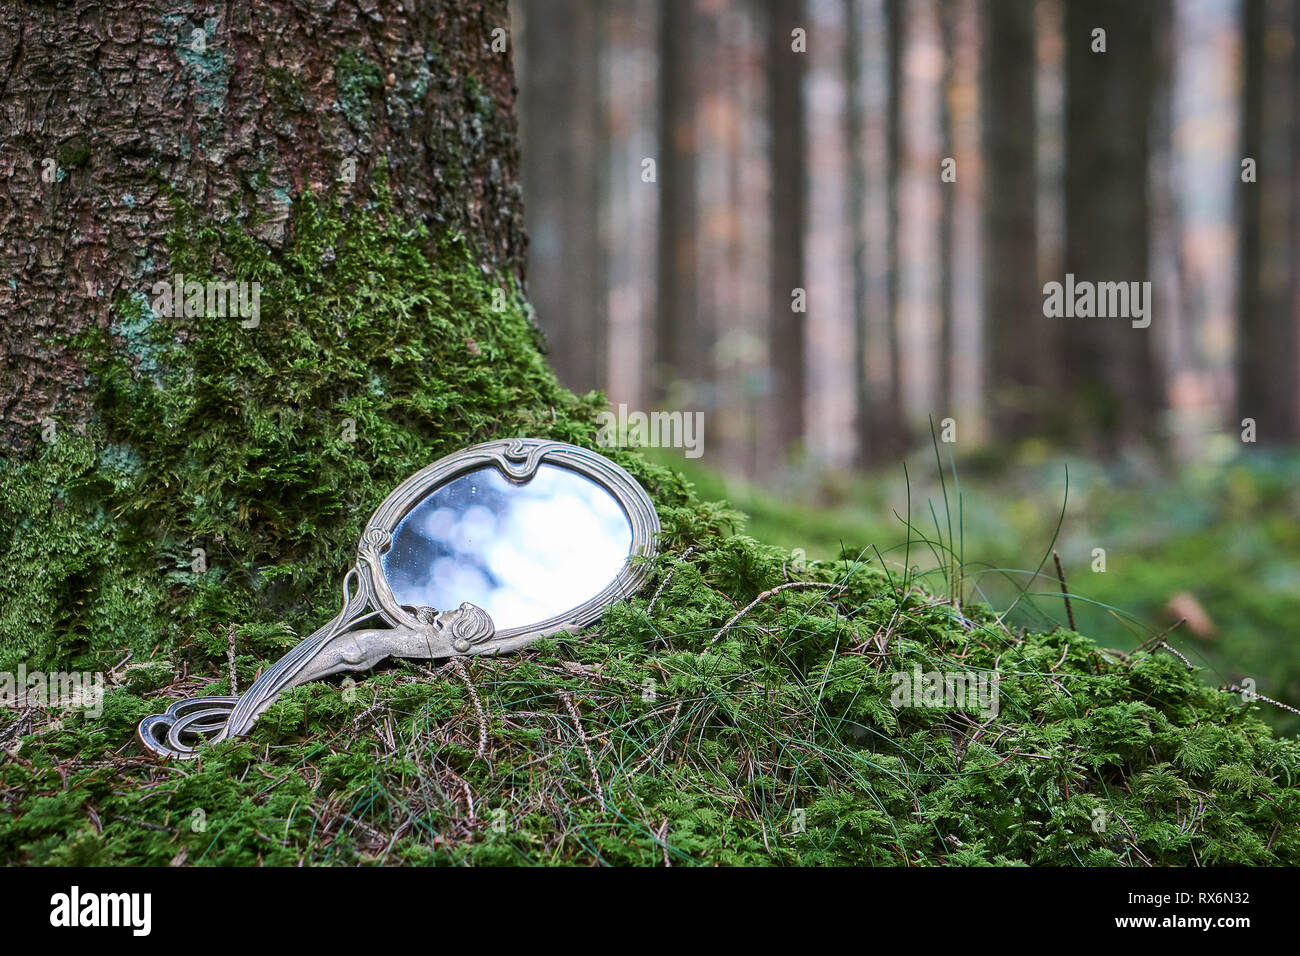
<point>479,553</point>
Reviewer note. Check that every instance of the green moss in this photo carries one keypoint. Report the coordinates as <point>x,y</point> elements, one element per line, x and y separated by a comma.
<point>286,89</point>
<point>74,152</point>
<point>776,744</point>
<point>647,738</point>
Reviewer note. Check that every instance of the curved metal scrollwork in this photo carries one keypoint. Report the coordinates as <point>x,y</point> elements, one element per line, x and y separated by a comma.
<point>396,630</point>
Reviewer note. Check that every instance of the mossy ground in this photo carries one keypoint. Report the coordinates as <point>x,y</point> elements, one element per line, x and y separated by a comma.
<point>647,740</point>
<point>1223,532</point>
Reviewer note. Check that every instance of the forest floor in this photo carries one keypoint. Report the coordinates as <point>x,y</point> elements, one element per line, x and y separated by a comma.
<point>740,711</point>
<point>1217,545</point>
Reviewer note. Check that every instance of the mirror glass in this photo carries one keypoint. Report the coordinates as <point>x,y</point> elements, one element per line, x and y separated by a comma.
<point>523,551</point>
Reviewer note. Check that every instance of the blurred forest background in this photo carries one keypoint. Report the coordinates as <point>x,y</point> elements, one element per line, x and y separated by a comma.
<point>910,173</point>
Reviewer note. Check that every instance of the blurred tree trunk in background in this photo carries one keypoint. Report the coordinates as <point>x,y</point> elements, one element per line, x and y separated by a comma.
<point>1174,339</point>
<point>1112,394</point>
<point>1016,335</point>
<point>678,354</point>
<point>236,110</point>
<point>1294,373</point>
<point>1084,160</point>
<point>562,179</point>
<point>889,429</point>
<point>947,14</point>
<point>854,147</point>
<point>1268,288</point>
<point>789,210</point>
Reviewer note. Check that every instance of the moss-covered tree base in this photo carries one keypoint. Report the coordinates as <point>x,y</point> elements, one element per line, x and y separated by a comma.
<point>650,739</point>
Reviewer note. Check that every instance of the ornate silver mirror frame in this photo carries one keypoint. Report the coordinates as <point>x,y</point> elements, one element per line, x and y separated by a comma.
<point>392,629</point>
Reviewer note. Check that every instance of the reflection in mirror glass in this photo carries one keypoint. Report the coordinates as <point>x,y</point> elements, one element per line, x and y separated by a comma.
<point>524,552</point>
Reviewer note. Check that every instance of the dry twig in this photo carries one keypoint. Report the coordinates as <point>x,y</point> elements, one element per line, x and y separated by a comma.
<point>582,738</point>
<point>459,666</point>
<point>763,597</point>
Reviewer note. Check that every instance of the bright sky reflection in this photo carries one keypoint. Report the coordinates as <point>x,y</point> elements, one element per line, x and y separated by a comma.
<point>522,552</point>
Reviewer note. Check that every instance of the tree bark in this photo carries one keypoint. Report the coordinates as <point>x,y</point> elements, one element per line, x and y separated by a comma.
<point>234,108</point>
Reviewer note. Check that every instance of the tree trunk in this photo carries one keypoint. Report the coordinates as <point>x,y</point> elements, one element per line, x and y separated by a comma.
<point>1293,373</point>
<point>788,218</point>
<point>182,461</point>
<point>1113,392</point>
<point>857,195</point>
<point>1015,331</point>
<point>110,109</point>
<point>890,428</point>
<point>1268,355</point>
<point>947,14</point>
<point>563,176</point>
<point>679,356</point>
